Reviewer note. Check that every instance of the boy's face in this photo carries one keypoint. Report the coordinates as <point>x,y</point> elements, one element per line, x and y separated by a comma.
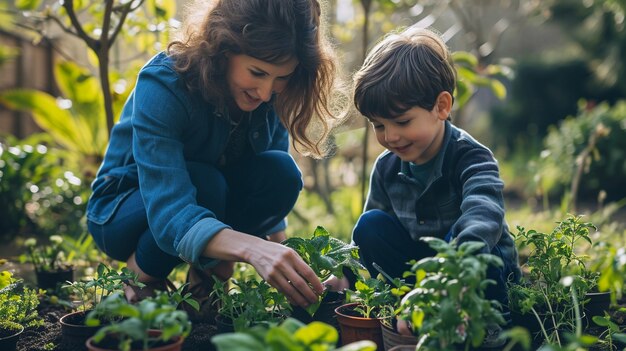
<point>415,136</point>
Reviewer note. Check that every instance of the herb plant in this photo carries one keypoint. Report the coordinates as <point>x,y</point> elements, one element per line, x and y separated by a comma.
<point>374,298</point>
<point>447,305</point>
<point>18,303</point>
<point>326,256</point>
<point>46,258</point>
<point>290,335</point>
<point>106,281</point>
<point>551,258</point>
<point>131,323</point>
<point>249,302</point>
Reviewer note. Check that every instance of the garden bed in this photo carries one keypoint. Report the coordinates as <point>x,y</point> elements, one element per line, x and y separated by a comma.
<point>48,337</point>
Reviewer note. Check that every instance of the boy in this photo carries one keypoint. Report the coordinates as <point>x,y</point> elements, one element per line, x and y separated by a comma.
<point>434,179</point>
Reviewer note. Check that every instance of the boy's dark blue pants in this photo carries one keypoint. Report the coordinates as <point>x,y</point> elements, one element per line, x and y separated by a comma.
<point>251,197</point>
<point>383,240</point>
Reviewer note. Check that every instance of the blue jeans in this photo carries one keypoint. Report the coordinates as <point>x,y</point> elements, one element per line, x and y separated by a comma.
<point>383,240</point>
<point>251,196</point>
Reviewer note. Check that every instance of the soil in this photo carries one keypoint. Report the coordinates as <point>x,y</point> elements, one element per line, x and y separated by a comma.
<point>36,339</point>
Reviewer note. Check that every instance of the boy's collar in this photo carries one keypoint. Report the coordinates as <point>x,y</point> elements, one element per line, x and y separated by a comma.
<point>437,167</point>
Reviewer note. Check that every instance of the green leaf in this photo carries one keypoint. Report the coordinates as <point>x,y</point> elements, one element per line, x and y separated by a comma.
<point>464,57</point>
<point>498,89</point>
<point>27,5</point>
<point>281,339</point>
<point>237,342</point>
<point>312,308</point>
<point>316,333</point>
<point>601,321</point>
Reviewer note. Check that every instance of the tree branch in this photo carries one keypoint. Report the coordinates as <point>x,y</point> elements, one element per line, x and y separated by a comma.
<point>80,32</point>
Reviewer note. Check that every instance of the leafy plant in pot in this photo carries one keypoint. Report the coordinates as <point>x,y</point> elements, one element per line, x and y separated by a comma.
<point>51,266</point>
<point>246,303</point>
<point>89,294</point>
<point>290,335</point>
<point>447,306</point>
<point>9,335</point>
<point>18,308</point>
<point>360,318</point>
<point>326,256</point>
<point>151,323</point>
<point>18,303</point>
<point>388,324</point>
<point>540,302</point>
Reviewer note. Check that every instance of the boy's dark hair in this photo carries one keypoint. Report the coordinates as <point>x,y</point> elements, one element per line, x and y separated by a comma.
<point>405,70</point>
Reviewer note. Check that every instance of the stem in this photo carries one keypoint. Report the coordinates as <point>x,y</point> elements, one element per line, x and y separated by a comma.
<point>579,327</point>
<point>543,329</point>
<point>556,333</point>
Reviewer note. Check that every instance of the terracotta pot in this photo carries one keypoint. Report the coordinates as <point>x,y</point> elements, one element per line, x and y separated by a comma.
<point>392,338</point>
<point>74,330</point>
<point>9,338</point>
<point>175,345</point>
<point>50,279</point>
<point>355,328</point>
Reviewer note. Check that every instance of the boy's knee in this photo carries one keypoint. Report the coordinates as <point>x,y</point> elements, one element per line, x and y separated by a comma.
<point>369,227</point>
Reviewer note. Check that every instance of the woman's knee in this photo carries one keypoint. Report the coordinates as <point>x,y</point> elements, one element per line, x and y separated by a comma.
<point>279,170</point>
<point>211,186</point>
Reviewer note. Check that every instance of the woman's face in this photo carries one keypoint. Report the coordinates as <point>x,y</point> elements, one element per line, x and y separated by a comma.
<point>252,81</point>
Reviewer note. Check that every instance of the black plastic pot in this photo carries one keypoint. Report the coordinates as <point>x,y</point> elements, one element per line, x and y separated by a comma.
<point>74,330</point>
<point>325,313</point>
<point>50,279</point>
<point>9,338</point>
<point>596,304</point>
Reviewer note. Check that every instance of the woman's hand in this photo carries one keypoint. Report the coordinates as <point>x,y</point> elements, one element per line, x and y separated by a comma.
<point>283,268</point>
<point>279,265</point>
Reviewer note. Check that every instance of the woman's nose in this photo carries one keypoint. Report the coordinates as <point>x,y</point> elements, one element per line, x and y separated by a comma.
<point>265,91</point>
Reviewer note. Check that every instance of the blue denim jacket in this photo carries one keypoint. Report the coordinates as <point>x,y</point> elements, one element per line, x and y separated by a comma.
<point>462,199</point>
<point>162,127</point>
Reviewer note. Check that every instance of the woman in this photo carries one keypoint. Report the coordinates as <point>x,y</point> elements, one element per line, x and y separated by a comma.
<point>197,169</point>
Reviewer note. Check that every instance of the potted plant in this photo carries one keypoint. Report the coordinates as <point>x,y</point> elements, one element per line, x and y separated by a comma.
<point>326,256</point>
<point>540,302</point>
<point>51,267</point>
<point>9,335</point>
<point>153,323</point>
<point>18,308</point>
<point>388,324</point>
<point>360,318</point>
<point>247,302</point>
<point>290,335</point>
<point>447,306</point>
<point>89,294</point>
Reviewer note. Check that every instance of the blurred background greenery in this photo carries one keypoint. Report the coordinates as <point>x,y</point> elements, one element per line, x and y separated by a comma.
<point>542,83</point>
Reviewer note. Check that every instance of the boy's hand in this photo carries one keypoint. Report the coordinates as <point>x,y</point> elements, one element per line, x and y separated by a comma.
<point>336,284</point>
<point>404,328</point>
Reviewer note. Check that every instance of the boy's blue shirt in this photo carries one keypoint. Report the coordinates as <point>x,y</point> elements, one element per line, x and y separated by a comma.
<point>462,198</point>
<point>163,127</point>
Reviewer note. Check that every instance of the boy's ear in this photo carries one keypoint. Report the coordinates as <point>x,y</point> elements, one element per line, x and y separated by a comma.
<point>444,105</point>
